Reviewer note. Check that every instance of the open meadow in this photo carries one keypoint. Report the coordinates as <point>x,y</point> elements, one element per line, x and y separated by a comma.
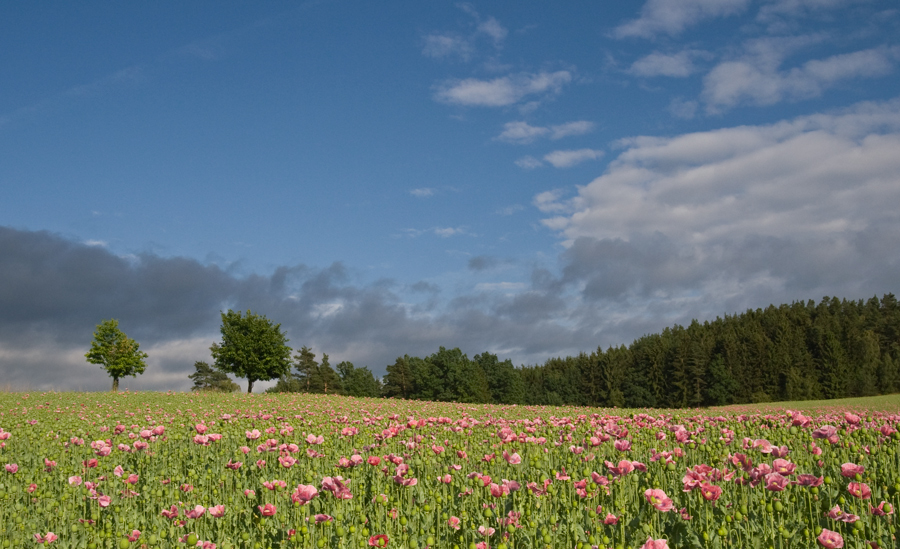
<point>135,470</point>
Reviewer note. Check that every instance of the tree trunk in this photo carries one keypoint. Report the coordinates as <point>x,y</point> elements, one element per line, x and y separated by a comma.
<point>115,387</point>
<point>249,386</point>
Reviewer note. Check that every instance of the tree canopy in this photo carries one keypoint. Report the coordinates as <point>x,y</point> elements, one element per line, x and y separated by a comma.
<point>116,352</point>
<point>207,378</point>
<point>252,347</point>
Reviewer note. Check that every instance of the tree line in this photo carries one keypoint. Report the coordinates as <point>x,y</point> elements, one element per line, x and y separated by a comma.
<point>805,350</point>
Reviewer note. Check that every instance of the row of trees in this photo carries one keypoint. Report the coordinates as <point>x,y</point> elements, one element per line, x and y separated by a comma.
<point>833,349</point>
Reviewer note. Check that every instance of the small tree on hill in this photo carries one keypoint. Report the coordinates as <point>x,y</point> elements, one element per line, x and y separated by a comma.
<point>252,347</point>
<point>116,352</point>
<point>207,378</point>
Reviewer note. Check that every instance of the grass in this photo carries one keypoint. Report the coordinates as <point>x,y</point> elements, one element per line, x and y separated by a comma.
<point>881,403</point>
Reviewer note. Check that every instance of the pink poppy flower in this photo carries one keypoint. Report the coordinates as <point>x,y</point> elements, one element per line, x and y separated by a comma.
<point>200,428</point>
<point>303,494</point>
<point>859,490</point>
<point>75,480</point>
<point>253,435</point>
<point>373,460</point>
<point>611,519</point>
<point>267,510</point>
<point>320,518</point>
<point>313,439</point>
<point>829,539</point>
<point>710,492</point>
<point>234,466</point>
<point>512,459</point>
<point>775,482</point>
<point>622,445</point>
<point>486,531</point>
<point>49,537</point>
<point>379,540</point>
<point>655,544</point>
<point>884,508</point>
<point>12,468</point>
<point>171,513</point>
<point>104,501</point>
<point>196,512</point>
<point>134,536</point>
<point>454,522</point>
<point>659,499</point>
<point>287,461</point>
<point>217,511</point>
<point>784,467</point>
<point>850,470</point>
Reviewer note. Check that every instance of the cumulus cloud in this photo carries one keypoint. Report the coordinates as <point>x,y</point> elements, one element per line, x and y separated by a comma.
<point>672,17</point>
<point>758,79</point>
<point>797,209</point>
<point>502,91</point>
<point>567,159</point>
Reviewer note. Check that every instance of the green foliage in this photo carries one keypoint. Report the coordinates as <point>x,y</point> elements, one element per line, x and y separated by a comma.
<point>252,347</point>
<point>836,348</point>
<point>118,354</point>
<point>358,382</point>
<point>207,378</point>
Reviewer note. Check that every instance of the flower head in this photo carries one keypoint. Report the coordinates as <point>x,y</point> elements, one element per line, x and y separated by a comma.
<point>659,499</point>
<point>829,539</point>
<point>379,540</point>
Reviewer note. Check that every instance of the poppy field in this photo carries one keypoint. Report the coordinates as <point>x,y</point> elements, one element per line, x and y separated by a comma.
<point>171,470</point>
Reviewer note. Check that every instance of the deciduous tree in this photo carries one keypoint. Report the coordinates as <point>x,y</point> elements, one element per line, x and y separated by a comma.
<point>252,347</point>
<point>116,352</point>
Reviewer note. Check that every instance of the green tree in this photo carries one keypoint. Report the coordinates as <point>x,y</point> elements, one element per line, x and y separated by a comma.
<point>207,378</point>
<point>504,380</point>
<point>324,379</point>
<point>116,352</point>
<point>252,347</point>
<point>399,382</point>
<point>358,382</point>
<point>306,365</point>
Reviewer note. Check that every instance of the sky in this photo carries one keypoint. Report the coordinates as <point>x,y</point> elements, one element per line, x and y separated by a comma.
<point>385,178</point>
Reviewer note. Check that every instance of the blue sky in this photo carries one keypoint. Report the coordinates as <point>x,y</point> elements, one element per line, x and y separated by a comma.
<point>383,178</point>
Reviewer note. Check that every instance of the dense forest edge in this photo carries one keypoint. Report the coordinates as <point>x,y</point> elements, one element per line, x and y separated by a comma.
<point>837,348</point>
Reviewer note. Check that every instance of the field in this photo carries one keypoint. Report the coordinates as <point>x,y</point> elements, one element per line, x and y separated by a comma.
<point>86,470</point>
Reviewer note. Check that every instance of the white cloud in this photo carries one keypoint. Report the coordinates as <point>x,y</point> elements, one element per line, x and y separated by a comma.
<point>98,243</point>
<point>492,28</point>
<point>579,127</point>
<point>550,202</point>
<point>503,91</point>
<point>446,45</point>
<point>677,65</point>
<point>521,132</point>
<point>757,79</point>
<point>673,16</point>
<point>802,179</point>
<point>440,45</point>
<point>528,163</point>
<point>567,159</point>
<point>448,231</point>
<point>422,192</point>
